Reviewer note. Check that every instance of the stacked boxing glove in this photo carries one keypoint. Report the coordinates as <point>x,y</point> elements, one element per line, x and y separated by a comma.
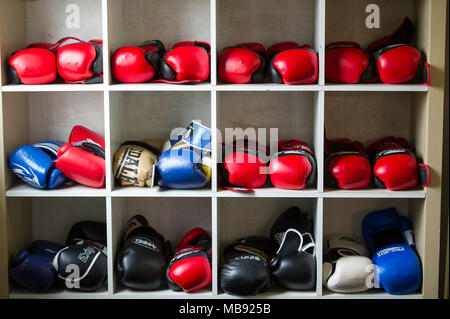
<point>244,63</point>
<point>32,268</point>
<point>276,48</point>
<point>134,163</point>
<point>187,163</point>
<point>346,62</point>
<point>82,159</point>
<point>141,262</point>
<point>80,62</point>
<point>294,166</point>
<point>396,60</point>
<point>390,242</point>
<point>294,66</point>
<point>32,66</point>
<point>186,62</point>
<point>244,166</point>
<point>347,165</point>
<point>190,267</point>
<point>346,267</point>
<point>35,164</point>
<point>245,270</point>
<point>82,264</point>
<point>395,166</point>
<point>294,266</point>
<point>136,64</point>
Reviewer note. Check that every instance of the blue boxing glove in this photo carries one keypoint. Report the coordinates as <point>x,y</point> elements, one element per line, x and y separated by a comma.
<point>34,164</point>
<point>389,240</point>
<point>32,268</point>
<point>187,163</point>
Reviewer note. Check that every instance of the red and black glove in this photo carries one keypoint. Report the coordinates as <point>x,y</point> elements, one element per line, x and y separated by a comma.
<point>294,166</point>
<point>188,61</point>
<point>346,62</point>
<point>82,159</point>
<point>190,267</point>
<point>347,165</point>
<point>137,64</point>
<point>244,63</point>
<point>293,66</point>
<point>395,166</point>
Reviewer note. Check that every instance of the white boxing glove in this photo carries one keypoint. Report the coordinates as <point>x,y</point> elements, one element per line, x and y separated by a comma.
<point>349,274</point>
<point>346,267</point>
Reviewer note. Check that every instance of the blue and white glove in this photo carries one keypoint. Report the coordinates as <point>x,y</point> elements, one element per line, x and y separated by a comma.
<point>389,240</point>
<point>187,163</point>
<point>34,164</point>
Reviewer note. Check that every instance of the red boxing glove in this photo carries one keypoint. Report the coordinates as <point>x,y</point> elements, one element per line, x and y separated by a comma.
<point>137,64</point>
<point>400,63</point>
<point>254,46</point>
<point>32,66</point>
<point>82,159</point>
<point>276,48</point>
<point>294,166</point>
<point>242,64</point>
<point>80,62</point>
<point>295,66</point>
<point>395,166</point>
<point>190,267</point>
<point>402,35</point>
<point>347,165</point>
<point>244,166</point>
<point>185,64</point>
<point>346,62</point>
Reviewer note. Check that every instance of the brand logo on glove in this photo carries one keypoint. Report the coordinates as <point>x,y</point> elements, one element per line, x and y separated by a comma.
<point>87,252</point>
<point>390,250</point>
<point>145,243</point>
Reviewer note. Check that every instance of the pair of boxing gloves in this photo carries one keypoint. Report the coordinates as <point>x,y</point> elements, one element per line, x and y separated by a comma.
<point>390,59</point>
<point>287,62</point>
<point>244,166</point>
<point>390,262</point>
<point>145,260</point>
<point>250,264</point>
<point>49,164</point>
<point>186,62</point>
<point>80,265</point>
<point>390,162</point>
<point>41,63</point>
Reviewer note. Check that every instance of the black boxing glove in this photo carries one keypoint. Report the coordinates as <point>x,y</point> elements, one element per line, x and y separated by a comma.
<point>245,269</point>
<point>87,230</point>
<point>82,266</point>
<point>142,261</point>
<point>294,266</point>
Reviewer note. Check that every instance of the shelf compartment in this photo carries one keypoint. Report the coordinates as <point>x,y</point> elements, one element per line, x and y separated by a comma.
<point>36,117</point>
<point>49,21</point>
<point>354,28</point>
<point>50,218</point>
<point>153,115</point>
<point>172,218</point>
<point>294,115</point>
<point>171,21</point>
<point>344,216</point>
<point>242,217</point>
<point>371,116</point>
<point>259,21</point>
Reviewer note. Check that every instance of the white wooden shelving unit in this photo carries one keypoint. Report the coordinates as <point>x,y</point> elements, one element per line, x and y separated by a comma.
<point>134,111</point>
